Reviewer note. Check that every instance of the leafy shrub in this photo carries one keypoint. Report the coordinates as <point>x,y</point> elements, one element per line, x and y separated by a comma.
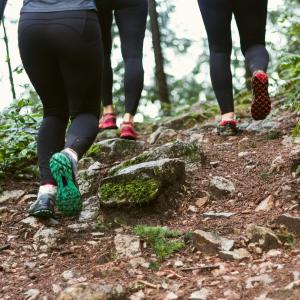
<point>18,130</point>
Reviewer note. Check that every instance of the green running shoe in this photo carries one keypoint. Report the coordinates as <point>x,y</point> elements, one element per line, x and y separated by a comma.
<point>68,198</point>
<point>228,128</point>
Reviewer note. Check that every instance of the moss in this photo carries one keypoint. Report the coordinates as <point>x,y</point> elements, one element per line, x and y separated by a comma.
<point>94,150</point>
<point>158,237</point>
<point>134,191</point>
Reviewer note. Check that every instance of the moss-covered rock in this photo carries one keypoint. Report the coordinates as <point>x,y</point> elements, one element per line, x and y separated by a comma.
<point>140,183</point>
<point>162,135</point>
<point>115,149</point>
<point>189,152</point>
<point>107,134</point>
<point>185,121</point>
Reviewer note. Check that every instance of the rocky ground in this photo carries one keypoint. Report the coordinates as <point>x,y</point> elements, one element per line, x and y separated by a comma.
<point>234,201</point>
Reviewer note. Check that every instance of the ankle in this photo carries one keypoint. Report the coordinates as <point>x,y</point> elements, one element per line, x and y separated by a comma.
<point>109,109</point>
<point>71,153</point>
<point>228,116</point>
<point>128,118</point>
<point>47,189</point>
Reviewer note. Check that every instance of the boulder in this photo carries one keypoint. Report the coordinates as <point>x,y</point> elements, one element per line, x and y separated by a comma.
<point>93,292</point>
<point>8,196</point>
<point>220,187</point>
<point>141,183</point>
<point>290,222</point>
<point>211,243</point>
<point>162,135</point>
<point>189,152</point>
<point>115,149</point>
<point>264,237</point>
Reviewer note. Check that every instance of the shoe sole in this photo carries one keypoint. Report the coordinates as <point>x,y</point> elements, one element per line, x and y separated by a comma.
<point>68,199</point>
<point>128,137</point>
<point>42,213</point>
<point>106,128</point>
<point>261,105</point>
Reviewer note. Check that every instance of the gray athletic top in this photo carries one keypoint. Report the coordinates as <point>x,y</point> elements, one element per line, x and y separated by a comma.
<point>57,5</point>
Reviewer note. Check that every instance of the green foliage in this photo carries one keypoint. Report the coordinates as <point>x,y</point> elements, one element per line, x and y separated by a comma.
<point>18,129</point>
<point>158,237</point>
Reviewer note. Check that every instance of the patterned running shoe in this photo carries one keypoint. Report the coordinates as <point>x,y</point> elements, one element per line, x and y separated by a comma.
<point>227,127</point>
<point>261,104</point>
<point>68,198</point>
<point>43,207</point>
<point>108,121</point>
<point>127,131</point>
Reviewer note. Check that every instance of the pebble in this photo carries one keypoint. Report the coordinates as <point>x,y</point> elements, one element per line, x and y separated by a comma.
<point>200,295</point>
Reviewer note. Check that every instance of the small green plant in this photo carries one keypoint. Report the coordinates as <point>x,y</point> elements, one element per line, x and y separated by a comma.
<point>154,266</point>
<point>161,239</point>
<point>265,176</point>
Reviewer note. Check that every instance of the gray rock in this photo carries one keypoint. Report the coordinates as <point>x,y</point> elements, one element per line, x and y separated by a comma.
<point>107,134</point>
<point>9,196</point>
<point>277,164</point>
<point>138,295</point>
<point>127,245</point>
<point>115,149</point>
<point>216,215</point>
<point>200,295</point>
<point>162,135</point>
<point>189,152</point>
<point>85,162</point>
<point>290,222</point>
<point>211,243</point>
<point>93,292</point>
<point>67,275</point>
<point>295,158</point>
<point>263,126</point>
<point>265,279</point>
<point>266,205</point>
<point>141,183</point>
<point>32,294</point>
<point>220,186</point>
<point>32,222</point>
<point>171,296</point>
<point>185,121</point>
<point>264,237</point>
<point>138,262</point>
<point>47,238</point>
<point>236,254</point>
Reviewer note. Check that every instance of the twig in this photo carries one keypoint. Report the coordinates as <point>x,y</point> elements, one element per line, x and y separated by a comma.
<point>204,268</point>
<point>173,273</point>
<point>148,284</point>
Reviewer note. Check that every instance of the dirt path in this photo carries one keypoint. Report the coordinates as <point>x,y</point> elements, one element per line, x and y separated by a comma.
<point>87,253</point>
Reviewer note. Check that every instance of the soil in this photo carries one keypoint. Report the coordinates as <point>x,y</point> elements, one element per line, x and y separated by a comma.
<point>97,263</point>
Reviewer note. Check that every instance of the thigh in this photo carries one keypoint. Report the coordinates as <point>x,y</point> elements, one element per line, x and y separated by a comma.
<point>251,16</point>
<point>131,22</point>
<point>217,15</point>
<point>42,67</point>
<point>81,61</point>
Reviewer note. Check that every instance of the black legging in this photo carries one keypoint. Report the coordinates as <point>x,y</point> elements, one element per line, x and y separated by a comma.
<point>130,16</point>
<point>62,55</point>
<point>250,16</point>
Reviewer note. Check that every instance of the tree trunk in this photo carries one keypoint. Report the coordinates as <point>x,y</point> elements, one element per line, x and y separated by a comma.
<point>11,79</point>
<point>160,75</point>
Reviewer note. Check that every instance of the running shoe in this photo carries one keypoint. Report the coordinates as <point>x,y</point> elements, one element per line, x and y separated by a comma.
<point>261,104</point>
<point>108,121</point>
<point>68,198</point>
<point>227,127</point>
<point>43,207</point>
<point>127,131</point>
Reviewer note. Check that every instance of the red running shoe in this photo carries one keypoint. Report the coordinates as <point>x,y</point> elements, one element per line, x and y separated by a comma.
<point>128,131</point>
<point>108,121</point>
<point>261,104</point>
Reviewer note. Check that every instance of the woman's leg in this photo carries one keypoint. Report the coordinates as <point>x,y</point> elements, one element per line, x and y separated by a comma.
<point>217,15</point>
<point>252,35</point>
<point>131,22</point>
<point>43,70</point>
